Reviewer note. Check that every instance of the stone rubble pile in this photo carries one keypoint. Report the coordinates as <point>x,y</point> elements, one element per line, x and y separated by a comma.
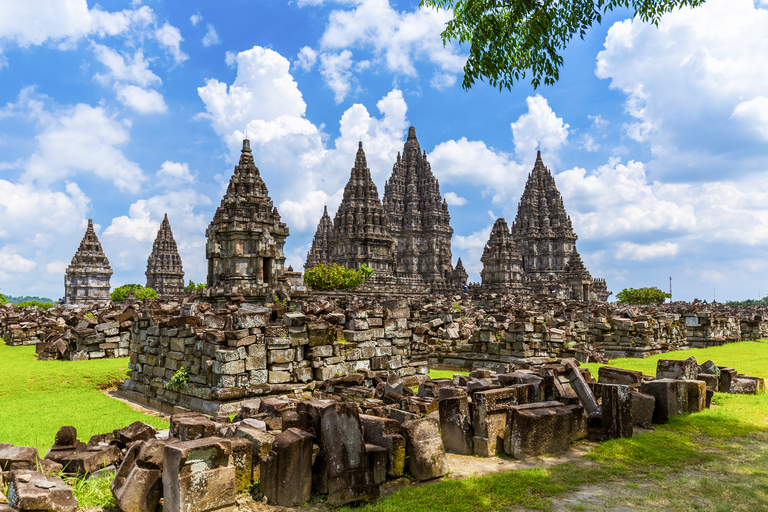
<point>355,431</point>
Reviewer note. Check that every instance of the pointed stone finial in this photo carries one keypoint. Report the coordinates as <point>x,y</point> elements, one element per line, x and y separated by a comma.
<point>411,132</point>
<point>325,209</point>
<point>90,224</point>
<point>538,156</point>
<point>246,146</point>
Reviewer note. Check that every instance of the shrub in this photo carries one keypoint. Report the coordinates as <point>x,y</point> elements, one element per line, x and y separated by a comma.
<point>40,305</point>
<point>3,300</point>
<point>325,278</point>
<point>179,379</point>
<point>642,296</point>
<point>141,292</point>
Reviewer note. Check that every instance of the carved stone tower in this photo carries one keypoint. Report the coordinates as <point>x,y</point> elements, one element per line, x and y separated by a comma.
<point>502,266</point>
<point>542,229</point>
<point>361,229</point>
<point>419,218</point>
<point>164,272</point>
<point>460,275</point>
<point>320,251</point>
<point>245,238</point>
<point>87,277</point>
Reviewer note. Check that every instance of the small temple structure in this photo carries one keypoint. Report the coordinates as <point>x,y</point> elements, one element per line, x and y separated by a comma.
<point>320,251</point>
<point>502,265</point>
<point>245,238</point>
<point>419,219</point>
<point>360,232</point>
<point>164,271</point>
<point>87,277</point>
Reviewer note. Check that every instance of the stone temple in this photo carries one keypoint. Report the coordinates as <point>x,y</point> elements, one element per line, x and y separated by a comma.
<point>245,238</point>
<point>320,251</point>
<point>360,232</point>
<point>164,271</point>
<point>419,219</point>
<point>502,265</point>
<point>87,278</point>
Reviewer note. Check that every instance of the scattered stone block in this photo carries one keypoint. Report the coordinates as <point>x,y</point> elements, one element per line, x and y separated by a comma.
<point>242,460</point>
<point>726,377</point>
<point>610,375</point>
<point>642,409</point>
<point>385,432</point>
<point>33,491</point>
<point>261,444</point>
<point>138,485</point>
<point>191,426</point>
<point>197,476</point>
<point>15,455</point>
<point>456,425</point>
<point>617,418</point>
<point>538,428</point>
<point>286,474</point>
<point>425,449</point>
<point>136,431</point>
<point>671,398</point>
<point>687,369</point>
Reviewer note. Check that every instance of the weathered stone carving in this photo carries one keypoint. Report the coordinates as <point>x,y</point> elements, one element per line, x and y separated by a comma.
<point>164,271</point>
<point>245,238</point>
<point>87,277</point>
<point>361,229</point>
<point>320,251</point>
<point>419,218</point>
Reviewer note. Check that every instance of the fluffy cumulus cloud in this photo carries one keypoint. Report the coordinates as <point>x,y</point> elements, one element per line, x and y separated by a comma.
<point>453,199</point>
<point>539,128</point>
<point>301,169</point>
<point>211,37</point>
<point>395,40</point>
<point>170,38</point>
<point>141,100</point>
<point>29,242</point>
<point>632,251</point>
<point>693,85</point>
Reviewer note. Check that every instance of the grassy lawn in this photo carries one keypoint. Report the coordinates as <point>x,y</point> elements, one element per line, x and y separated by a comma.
<point>713,460</point>
<point>39,397</point>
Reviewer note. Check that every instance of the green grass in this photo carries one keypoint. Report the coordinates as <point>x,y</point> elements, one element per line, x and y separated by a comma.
<point>39,397</point>
<point>444,374</point>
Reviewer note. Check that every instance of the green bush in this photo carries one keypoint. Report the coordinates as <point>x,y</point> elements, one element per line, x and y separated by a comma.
<point>194,286</point>
<point>3,300</point>
<point>642,296</point>
<point>41,305</point>
<point>141,292</point>
<point>325,278</point>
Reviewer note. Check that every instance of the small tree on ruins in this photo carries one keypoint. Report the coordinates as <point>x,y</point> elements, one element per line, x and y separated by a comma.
<point>329,277</point>
<point>642,296</point>
<point>141,292</point>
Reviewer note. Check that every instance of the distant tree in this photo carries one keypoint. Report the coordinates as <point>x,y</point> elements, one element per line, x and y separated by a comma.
<point>3,300</point>
<point>141,292</point>
<point>642,296</point>
<point>748,302</point>
<point>27,298</point>
<point>35,303</point>
<point>194,286</point>
<point>510,38</point>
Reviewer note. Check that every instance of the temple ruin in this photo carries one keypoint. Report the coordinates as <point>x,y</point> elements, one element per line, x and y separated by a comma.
<point>164,271</point>
<point>320,251</point>
<point>245,238</point>
<point>502,268</point>
<point>87,278</point>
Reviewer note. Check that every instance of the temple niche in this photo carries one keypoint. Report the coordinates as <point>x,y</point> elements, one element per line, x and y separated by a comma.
<point>502,265</point>
<point>164,271</point>
<point>87,278</point>
<point>419,219</point>
<point>360,231</point>
<point>320,251</point>
<point>245,238</point>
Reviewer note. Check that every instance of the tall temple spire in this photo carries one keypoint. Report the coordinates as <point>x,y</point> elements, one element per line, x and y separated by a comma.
<point>361,229</point>
<point>320,251</point>
<point>419,218</point>
<point>87,276</point>
<point>164,270</point>
<point>245,237</point>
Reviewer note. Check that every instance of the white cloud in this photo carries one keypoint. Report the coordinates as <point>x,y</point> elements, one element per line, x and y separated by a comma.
<point>56,267</point>
<point>36,22</point>
<point>685,81</point>
<point>306,58</point>
<point>285,143</point>
<point>143,101</point>
<point>442,81</point>
<point>135,70</point>
<point>539,128</point>
<point>211,36</point>
<point>336,69</point>
<point>170,37</point>
<point>454,200</point>
<point>195,19</point>
<point>755,113</point>
<point>472,246</point>
<point>13,263</point>
<point>173,174</point>
<point>632,251</point>
<point>137,224</point>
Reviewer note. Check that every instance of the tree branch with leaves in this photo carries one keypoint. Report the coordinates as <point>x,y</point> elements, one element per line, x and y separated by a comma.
<point>510,40</point>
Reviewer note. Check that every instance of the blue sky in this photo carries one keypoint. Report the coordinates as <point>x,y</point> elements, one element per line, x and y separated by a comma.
<point>125,110</point>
